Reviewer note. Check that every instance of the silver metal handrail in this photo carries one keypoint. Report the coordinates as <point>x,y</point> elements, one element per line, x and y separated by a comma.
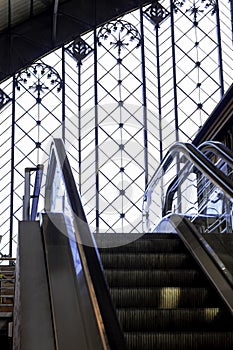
<point>208,148</point>
<point>108,324</point>
<point>196,158</point>
<point>219,149</point>
<point>192,161</point>
<point>30,210</point>
<point>207,258</point>
<point>224,157</point>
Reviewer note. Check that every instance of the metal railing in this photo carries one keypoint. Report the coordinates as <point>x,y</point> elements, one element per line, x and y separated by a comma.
<point>191,195</point>
<point>61,195</point>
<point>30,201</point>
<point>222,157</point>
<point>219,150</point>
<point>219,206</point>
<point>189,183</point>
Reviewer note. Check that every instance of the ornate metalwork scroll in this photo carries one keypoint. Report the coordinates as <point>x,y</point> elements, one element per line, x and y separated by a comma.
<point>79,49</point>
<point>120,34</point>
<point>156,13</point>
<point>37,78</point>
<point>4,99</point>
<point>197,7</point>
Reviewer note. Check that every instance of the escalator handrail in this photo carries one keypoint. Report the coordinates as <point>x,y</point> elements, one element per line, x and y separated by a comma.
<point>36,191</point>
<point>219,149</point>
<point>214,147</point>
<point>201,162</point>
<point>209,262</point>
<point>109,328</point>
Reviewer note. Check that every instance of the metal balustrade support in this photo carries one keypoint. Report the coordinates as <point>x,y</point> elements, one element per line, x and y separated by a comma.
<point>30,211</point>
<point>85,246</point>
<point>208,260</point>
<point>215,148</point>
<point>36,193</point>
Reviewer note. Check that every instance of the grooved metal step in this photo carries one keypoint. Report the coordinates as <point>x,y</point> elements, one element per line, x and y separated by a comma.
<point>143,260</point>
<point>154,278</point>
<point>165,297</point>
<point>177,319</point>
<point>164,243</point>
<point>179,340</point>
<point>162,298</point>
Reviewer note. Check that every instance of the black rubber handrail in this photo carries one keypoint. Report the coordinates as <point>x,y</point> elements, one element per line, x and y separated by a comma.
<point>109,325</point>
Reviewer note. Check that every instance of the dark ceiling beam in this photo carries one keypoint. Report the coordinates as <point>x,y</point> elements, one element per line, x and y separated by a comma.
<point>37,36</point>
<point>9,14</point>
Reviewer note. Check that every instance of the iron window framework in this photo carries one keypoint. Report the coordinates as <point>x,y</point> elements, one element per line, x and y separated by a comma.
<point>119,96</point>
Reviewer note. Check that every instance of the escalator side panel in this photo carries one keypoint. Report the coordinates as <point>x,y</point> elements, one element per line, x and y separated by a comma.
<point>32,313</point>
<point>206,258</point>
<point>74,321</point>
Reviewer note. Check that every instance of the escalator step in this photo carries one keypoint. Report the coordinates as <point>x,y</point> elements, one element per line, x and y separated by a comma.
<point>154,278</point>
<point>165,297</point>
<point>162,298</point>
<point>152,243</point>
<point>143,260</point>
<point>147,320</point>
<point>179,340</point>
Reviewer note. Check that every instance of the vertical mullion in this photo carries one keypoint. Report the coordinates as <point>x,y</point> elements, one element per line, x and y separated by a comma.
<point>174,72</point>
<point>31,8</point>
<point>63,95</point>
<point>219,50</point>
<point>96,130</point>
<point>231,9</point>
<point>159,92</point>
<point>9,14</point>
<point>175,92</point>
<point>144,99</point>
<point>79,126</point>
<point>12,169</point>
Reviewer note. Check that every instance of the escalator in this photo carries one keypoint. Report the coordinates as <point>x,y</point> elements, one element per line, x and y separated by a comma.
<point>164,290</point>
<point>162,297</point>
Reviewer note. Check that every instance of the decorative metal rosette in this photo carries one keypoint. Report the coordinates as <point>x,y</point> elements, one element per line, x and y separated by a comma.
<point>79,49</point>
<point>40,78</point>
<point>4,99</point>
<point>119,34</point>
<point>197,7</point>
<point>156,13</point>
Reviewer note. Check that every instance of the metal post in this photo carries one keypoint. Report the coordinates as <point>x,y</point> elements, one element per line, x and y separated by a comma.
<point>144,100</point>
<point>219,50</point>
<point>79,127</point>
<point>175,95</point>
<point>231,9</point>
<point>26,198</point>
<point>174,72</point>
<point>63,95</point>
<point>36,191</point>
<point>12,168</point>
<point>159,93</point>
<point>96,131</point>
